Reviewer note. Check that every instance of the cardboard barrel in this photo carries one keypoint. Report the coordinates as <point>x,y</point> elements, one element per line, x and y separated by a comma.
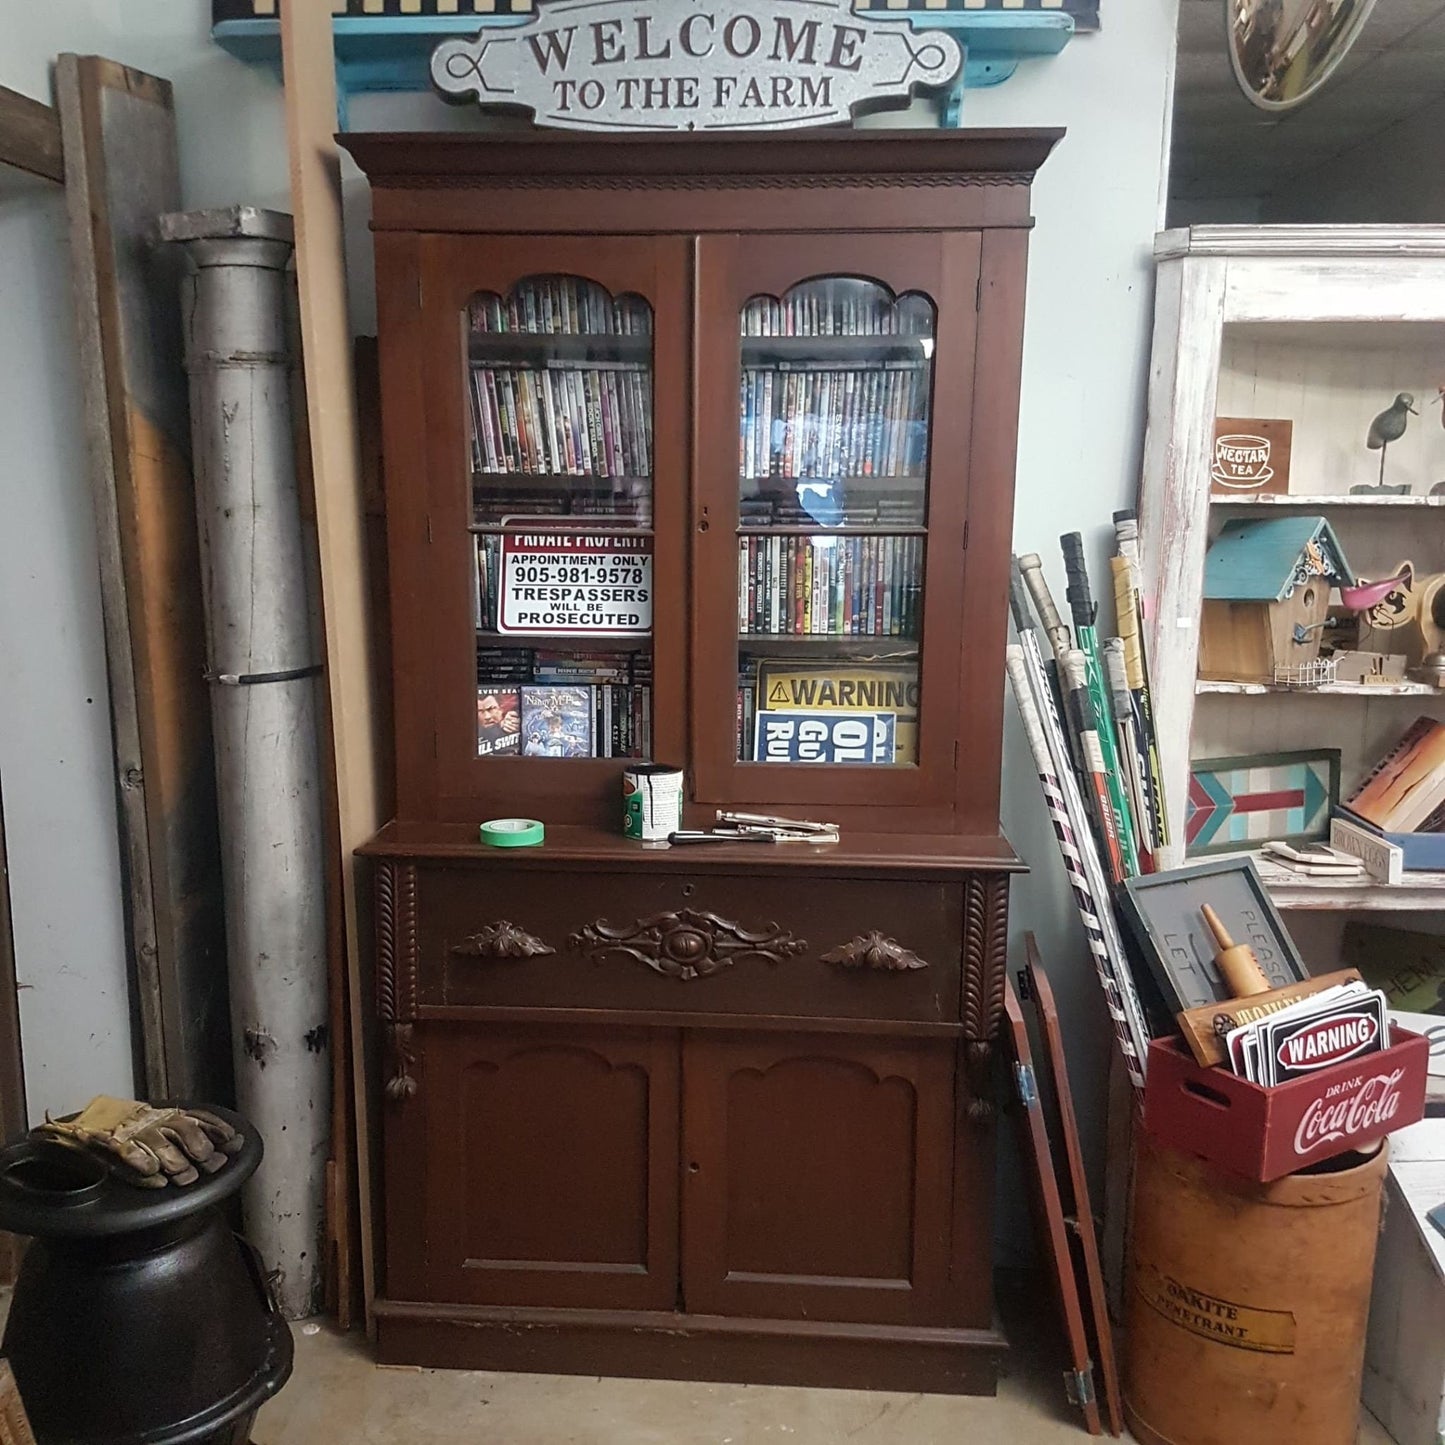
<point>1247,1303</point>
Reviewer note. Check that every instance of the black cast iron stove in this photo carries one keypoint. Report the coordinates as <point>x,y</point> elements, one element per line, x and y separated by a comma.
<point>138,1318</point>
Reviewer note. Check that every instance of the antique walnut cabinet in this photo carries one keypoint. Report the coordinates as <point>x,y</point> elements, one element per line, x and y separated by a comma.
<point>698,449</point>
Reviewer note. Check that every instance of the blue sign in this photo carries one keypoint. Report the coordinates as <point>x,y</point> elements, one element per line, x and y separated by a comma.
<point>825,737</point>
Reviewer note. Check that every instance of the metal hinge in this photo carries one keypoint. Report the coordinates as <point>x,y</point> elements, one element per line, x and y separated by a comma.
<point>428,529</point>
<point>435,752</point>
<point>978,294</point>
<point>1026,1085</point>
<point>965,536</point>
<point>1079,1385</point>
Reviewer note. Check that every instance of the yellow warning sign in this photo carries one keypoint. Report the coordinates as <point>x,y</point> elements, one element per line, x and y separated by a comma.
<point>1241,1327</point>
<point>839,687</point>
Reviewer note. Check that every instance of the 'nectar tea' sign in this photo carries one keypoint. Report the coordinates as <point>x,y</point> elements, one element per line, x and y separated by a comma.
<point>667,65</point>
<point>1251,454</point>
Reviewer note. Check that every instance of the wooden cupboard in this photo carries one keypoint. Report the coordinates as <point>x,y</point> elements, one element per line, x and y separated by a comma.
<point>697,449</point>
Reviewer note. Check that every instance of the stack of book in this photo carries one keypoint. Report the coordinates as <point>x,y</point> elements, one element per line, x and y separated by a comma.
<point>1402,803</point>
<point>564,704</point>
<point>846,310</point>
<point>561,304</point>
<point>865,421</point>
<point>830,586</point>
<point>582,419</point>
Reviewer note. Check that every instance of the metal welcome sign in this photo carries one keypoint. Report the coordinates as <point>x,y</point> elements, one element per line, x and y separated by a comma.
<point>668,65</point>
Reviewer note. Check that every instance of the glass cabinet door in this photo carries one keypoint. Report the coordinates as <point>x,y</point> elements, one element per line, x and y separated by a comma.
<point>552,463</point>
<point>559,380</point>
<point>837,520</point>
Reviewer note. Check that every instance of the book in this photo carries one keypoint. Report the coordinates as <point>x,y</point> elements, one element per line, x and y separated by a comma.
<point>499,720</point>
<point>557,722</point>
<point>1406,788</point>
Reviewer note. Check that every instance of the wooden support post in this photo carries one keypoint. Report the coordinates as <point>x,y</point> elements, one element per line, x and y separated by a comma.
<point>309,72</point>
<point>30,136</point>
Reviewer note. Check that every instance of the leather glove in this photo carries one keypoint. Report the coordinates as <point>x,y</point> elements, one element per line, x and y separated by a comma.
<point>153,1146</point>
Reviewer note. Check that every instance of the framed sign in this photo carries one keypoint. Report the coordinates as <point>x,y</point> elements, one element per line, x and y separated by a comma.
<point>1236,804</point>
<point>698,65</point>
<point>571,584</point>
<point>1251,455</point>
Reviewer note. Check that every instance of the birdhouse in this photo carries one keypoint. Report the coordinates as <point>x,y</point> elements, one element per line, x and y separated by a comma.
<point>1267,588</point>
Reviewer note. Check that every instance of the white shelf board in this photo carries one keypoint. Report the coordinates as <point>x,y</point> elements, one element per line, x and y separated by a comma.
<point>1329,689</point>
<point>1291,890</point>
<point>1327,499</point>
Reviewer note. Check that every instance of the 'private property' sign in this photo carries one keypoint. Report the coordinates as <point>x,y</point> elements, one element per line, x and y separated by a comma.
<point>666,65</point>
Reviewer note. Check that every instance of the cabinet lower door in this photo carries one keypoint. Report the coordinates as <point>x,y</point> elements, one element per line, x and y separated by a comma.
<point>551,1166</point>
<point>817,1177</point>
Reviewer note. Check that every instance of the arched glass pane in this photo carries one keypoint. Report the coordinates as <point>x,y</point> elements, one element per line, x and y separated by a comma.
<point>559,382</point>
<point>834,404</point>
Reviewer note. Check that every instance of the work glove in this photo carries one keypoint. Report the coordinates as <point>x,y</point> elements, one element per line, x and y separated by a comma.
<point>153,1147</point>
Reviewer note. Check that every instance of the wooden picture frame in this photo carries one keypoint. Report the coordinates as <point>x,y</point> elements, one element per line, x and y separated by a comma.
<point>1240,803</point>
<point>1161,910</point>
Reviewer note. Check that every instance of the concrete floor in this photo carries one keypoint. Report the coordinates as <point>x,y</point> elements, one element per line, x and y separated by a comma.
<point>337,1394</point>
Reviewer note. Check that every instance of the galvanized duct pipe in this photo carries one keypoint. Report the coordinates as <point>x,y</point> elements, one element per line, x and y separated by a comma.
<point>263,661</point>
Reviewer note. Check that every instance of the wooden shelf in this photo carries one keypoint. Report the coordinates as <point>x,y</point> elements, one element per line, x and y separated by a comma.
<point>857,350</point>
<point>571,522</point>
<point>1334,499</point>
<point>1206,686</point>
<point>566,642</point>
<point>506,347</point>
<point>1290,890</point>
<point>820,529</point>
<point>823,645</point>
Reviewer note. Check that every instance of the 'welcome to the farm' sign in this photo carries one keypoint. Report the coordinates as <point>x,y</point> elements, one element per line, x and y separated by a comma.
<point>697,64</point>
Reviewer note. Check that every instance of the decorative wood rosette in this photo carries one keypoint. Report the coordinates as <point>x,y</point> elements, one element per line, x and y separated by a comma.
<point>985,965</point>
<point>685,945</point>
<point>396,971</point>
<point>501,940</point>
<point>875,950</point>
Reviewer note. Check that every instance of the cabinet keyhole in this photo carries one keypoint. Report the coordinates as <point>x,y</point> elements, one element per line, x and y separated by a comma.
<point>693,1167</point>
<point>688,889</point>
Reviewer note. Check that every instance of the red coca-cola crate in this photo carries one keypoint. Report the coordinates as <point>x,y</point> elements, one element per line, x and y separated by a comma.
<point>1265,1134</point>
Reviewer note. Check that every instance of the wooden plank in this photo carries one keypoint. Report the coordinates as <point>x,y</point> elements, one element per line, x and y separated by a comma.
<point>1056,1096</point>
<point>339,493</point>
<point>122,171</point>
<point>1043,1183</point>
<point>14,1422</point>
<point>30,136</point>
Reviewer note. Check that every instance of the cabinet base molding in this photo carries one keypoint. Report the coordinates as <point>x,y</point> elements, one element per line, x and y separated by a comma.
<point>651,1344</point>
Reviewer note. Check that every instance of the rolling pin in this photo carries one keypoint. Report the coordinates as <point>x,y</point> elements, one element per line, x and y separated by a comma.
<point>1237,965</point>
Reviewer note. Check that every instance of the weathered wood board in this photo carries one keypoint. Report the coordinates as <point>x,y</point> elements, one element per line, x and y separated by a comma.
<point>339,492</point>
<point>122,173</point>
<point>30,136</point>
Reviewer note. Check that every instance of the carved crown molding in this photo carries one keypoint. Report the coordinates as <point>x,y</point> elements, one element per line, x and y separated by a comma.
<point>501,940</point>
<point>686,945</point>
<point>742,182</point>
<point>875,951</point>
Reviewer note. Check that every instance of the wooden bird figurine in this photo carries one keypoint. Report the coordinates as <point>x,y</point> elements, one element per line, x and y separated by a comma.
<point>1389,427</point>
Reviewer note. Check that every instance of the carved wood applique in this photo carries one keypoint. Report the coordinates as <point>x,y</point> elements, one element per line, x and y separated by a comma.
<point>685,945</point>
<point>396,971</point>
<point>985,964</point>
<point>875,951</point>
<point>501,940</point>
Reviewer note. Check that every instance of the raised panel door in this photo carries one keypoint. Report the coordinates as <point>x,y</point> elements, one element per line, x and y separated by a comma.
<point>817,1177</point>
<point>551,1162</point>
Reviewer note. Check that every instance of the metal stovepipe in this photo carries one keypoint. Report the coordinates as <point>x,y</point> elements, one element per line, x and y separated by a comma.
<point>263,668</point>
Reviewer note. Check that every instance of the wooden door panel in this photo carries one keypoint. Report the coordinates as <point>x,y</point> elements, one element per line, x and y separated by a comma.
<point>552,1166</point>
<point>434,584</point>
<point>731,271</point>
<point>816,1177</point>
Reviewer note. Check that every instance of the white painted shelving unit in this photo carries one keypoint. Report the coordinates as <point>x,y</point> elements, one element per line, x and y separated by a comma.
<point>1323,325</point>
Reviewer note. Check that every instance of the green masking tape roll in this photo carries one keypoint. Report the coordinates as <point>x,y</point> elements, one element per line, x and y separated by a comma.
<point>512,832</point>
